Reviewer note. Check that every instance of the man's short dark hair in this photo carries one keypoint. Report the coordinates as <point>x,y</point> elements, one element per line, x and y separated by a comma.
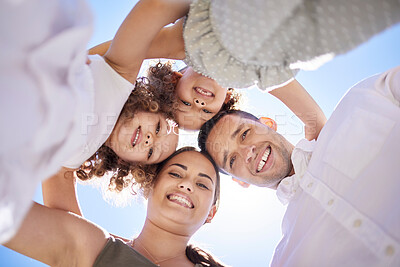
<point>209,125</point>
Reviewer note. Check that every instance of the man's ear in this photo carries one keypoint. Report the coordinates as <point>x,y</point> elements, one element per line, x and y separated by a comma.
<point>211,214</point>
<point>269,122</point>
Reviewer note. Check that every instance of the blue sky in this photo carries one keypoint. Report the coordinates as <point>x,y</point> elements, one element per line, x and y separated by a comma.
<point>246,228</point>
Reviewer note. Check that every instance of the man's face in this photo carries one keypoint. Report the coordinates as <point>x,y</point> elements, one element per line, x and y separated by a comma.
<point>250,151</point>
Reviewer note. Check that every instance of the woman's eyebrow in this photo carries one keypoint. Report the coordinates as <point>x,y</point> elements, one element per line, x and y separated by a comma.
<point>206,176</point>
<point>179,165</point>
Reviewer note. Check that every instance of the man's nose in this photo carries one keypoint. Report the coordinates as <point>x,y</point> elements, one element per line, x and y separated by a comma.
<point>199,103</point>
<point>249,153</point>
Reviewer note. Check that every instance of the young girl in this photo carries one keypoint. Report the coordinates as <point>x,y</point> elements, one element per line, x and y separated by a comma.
<point>183,196</point>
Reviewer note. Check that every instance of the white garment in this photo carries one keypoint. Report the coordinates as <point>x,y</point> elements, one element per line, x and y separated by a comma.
<point>344,210</point>
<point>110,93</point>
<point>44,82</point>
<point>238,42</point>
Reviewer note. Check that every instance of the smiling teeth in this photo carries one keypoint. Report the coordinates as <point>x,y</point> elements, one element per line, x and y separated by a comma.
<point>136,137</point>
<point>181,200</point>
<point>264,159</point>
<point>203,92</point>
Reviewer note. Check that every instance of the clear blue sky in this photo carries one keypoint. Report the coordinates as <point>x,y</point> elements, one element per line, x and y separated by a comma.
<point>247,226</point>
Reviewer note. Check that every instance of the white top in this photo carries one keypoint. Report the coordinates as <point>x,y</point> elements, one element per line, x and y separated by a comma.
<point>238,42</point>
<point>343,200</point>
<point>110,93</point>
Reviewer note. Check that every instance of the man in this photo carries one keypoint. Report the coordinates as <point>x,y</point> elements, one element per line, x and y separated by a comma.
<point>339,187</point>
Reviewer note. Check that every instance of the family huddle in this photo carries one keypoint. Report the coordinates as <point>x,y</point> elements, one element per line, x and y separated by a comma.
<point>71,113</point>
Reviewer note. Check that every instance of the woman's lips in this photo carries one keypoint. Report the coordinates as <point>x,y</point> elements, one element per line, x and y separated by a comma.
<point>136,137</point>
<point>203,92</point>
<point>181,200</point>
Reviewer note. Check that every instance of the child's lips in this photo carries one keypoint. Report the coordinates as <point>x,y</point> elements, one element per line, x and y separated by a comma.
<point>203,92</point>
<point>136,137</point>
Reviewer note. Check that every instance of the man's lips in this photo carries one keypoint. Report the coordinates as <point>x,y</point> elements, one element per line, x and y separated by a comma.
<point>136,137</point>
<point>181,200</point>
<point>203,92</point>
<point>264,160</point>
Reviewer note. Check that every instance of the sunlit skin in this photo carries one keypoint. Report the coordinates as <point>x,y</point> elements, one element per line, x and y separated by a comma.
<point>199,99</point>
<point>189,175</point>
<point>238,146</point>
<point>147,138</point>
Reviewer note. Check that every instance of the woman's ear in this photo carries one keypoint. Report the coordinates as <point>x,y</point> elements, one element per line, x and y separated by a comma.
<point>269,122</point>
<point>211,214</point>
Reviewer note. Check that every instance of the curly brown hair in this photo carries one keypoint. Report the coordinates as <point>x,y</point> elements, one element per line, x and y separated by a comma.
<point>149,95</point>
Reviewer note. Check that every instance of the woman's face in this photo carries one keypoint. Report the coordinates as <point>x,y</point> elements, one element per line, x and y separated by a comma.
<point>147,138</point>
<point>183,195</point>
<point>199,99</point>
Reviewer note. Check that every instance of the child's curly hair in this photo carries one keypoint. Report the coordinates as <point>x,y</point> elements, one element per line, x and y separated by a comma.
<point>148,96</point>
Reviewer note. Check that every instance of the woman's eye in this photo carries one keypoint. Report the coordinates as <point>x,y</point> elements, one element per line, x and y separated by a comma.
<point>186,103</point>
<point>244,134</point>
<point>158,127</point>
<point>202,185</point>
<point>206,111</point>
<point>232,161</point>
<point>150,153</point>
<point>175,174</point>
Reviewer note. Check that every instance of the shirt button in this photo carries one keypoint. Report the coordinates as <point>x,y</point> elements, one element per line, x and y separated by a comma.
<point>285,182</point>
<point>357,223</point>
<point>389,251</point>
<point>310,185</point>
<point>330,202</point>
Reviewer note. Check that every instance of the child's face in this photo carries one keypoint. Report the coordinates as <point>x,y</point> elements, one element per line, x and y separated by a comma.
<point>199,99</point>
<point>147,138</point>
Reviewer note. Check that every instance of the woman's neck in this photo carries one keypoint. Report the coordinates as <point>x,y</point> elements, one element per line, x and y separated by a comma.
<point>160,245</point>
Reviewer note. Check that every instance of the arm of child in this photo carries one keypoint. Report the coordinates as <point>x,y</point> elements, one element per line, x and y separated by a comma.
<point>59,191</point>
<point>58,238</point>
<point>298,100</point>
<point>167,44</point>
<point>130,45</point>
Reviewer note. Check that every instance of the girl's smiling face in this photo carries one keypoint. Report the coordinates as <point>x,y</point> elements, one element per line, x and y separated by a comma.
<point>146,138</point>
<point>199,99</point>
<point>183,195</point>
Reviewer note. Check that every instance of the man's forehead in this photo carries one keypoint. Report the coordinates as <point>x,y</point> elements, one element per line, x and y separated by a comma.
<point>231,122</point>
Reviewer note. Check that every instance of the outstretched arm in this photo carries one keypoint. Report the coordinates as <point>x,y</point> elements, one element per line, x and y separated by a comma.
<point>298,100</point>
<point>167,44</point>
<point>56,238</point>
<point>130,45</point>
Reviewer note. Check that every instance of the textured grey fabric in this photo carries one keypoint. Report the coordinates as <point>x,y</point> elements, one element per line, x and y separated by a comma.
<point>238,43</point>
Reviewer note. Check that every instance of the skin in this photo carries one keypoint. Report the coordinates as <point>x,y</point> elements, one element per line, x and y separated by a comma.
<point>199,99</point>
<point>157,138</point>
<point>238,144</point>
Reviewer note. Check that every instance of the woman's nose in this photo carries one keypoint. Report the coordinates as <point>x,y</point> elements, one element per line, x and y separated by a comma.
<point>185,185</point>
<point>199,103</point>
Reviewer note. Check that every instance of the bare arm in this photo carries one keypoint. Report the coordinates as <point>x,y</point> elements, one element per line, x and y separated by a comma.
<point>167,44</point>
<point>296,98</point>
<point>130,45</point>
<point>57,238</point>
<point>59,192</point>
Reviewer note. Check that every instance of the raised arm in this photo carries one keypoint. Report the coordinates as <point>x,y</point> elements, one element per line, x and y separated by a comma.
<point>298,100</point>
<point>130,45</point>
<point>56,238</point>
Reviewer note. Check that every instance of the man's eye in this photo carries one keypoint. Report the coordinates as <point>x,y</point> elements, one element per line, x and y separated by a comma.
<point>206,111</point>
<point>150,153</point>
<point>158,127</point>
<point>202,185</point>
<point>186,103</point>
<point>175,174</point>
<point>232,161</point>
<point>244,134</point>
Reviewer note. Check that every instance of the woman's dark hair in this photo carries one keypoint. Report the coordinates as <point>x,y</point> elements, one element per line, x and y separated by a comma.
<point>199,256</point>
<point>147,96</point>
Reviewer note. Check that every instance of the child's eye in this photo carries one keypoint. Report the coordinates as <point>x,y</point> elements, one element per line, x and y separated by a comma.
<point>202,185</point>
<point>244,134</point>
<point>232,161</point>
<point>175,174</point>
<point>206,111</point>
<point>186,103</point>
<point>158,127</point>
<point>150,153</point>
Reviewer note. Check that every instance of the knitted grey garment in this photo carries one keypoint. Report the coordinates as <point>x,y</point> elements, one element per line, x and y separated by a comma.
<point>239,43</point>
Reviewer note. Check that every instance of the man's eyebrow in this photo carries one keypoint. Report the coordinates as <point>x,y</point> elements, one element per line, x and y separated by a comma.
<point>206,176</point>
<point>179,165</point>
<point>233,136</point>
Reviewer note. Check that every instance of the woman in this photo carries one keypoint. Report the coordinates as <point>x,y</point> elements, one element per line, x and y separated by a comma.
<point>183,196</point>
